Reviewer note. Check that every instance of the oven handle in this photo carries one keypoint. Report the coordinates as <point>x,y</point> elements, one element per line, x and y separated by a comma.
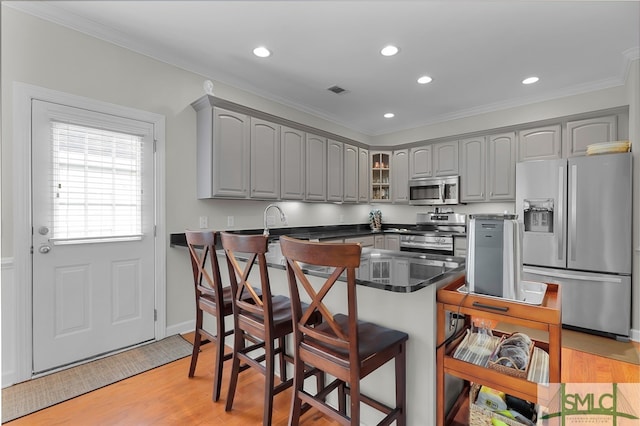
<point>442,192</point>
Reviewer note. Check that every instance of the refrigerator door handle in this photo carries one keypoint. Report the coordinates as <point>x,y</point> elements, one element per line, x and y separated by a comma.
<point>598,278</point>
<point>560,212</point>
<point>573,210</point>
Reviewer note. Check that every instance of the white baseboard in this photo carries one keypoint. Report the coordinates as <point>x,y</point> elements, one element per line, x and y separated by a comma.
<point>634,335</point>
<point>184,327</point>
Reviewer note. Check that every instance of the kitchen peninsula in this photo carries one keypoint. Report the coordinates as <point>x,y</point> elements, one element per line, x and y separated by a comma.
<point>397,290</point>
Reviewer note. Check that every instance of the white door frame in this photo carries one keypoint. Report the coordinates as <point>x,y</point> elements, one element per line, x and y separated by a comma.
<point>22,226</point>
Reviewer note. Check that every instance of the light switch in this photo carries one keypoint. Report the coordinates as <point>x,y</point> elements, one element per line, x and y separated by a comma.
<point>230,220</point>
<point>204,222</point>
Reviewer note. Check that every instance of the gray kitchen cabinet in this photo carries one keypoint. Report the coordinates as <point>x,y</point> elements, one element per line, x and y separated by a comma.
<point>365,241</point>
<point>265,159</point>
<point>363,175</point>
<point>223,151</point>
<point>392,242</point>
<point>400,176</point>
<point>316,168</point>
<point>351,176</point>
<point>380,166</point>
<point>292,161</point>
<point>487,168</point>
<point>335,170</point>
<point>582,133</point>
<point>379,241</point>
<point>445,159</point>
<point>473,169</point>
<point>501,167</point>
<point>421,162</point>
<point>540,143</point>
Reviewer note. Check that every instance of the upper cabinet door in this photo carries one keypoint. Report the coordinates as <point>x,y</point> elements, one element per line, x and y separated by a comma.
<point>472,169</point>
<point>501,167</point>
<point>363,175</point>
<point>445,159</point>
<point>316,168</point>
<point>351,176</point>
<point>400,176</point>
<point>292,161</point>
<point>582,133</point>
<point>542,143</point>
<point>335,170</point>
<point>420,162</point>
<point>265,159</point>
<point>230,160</point>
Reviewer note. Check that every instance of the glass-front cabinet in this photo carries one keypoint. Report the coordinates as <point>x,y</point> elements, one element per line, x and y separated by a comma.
<point>380,176</point>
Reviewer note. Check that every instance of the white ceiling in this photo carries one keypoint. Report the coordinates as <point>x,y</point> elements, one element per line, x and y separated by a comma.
<point>477,52</point>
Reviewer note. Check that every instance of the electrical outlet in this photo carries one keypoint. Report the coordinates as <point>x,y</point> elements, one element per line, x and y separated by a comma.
<point>341,218</point>
<point>271,220</point>
<point>230,221</point>
<point>204,222</point>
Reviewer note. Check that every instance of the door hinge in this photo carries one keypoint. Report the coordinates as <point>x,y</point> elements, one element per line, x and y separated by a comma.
<point>155,315</point>
<point>155,142</point>
<point>155,230</point>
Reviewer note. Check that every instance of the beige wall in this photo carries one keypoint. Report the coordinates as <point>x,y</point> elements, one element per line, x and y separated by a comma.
<point>47,55</point>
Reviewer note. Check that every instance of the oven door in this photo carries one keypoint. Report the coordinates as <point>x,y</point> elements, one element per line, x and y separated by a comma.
<point>432,244</point>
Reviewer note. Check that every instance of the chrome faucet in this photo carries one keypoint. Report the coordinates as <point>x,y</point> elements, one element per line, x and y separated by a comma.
<point>283,218</point>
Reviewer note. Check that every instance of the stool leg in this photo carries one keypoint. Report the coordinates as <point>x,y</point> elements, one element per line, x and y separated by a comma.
<point>298,384</point>
<point>283,363</point>
<point>269,380</point>
<point>217,372</point>
<point>196,342</point>
<point>238,344</point>
<point>401,380</point>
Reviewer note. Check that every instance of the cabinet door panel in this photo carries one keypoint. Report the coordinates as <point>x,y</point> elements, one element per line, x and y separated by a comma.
<point>445,159</point>
<point>400,176</point>
<point>292,172</point>
<point>501,184</point>
<point>230,154</point>
<point>472,169</point>
<point>582,133</point>
<point>541,143</point>
<point>265,159</point>
<point>420,162</point>
<point>316,164</point>
<point>350,192</point>
<point>335,170</point>
<point>363,175</point>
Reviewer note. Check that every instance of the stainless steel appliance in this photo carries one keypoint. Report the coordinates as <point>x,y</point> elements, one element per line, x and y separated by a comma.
<point>434,232</point>
<point>577,232</point>
<point>494,260</point>
<point>434,191</point>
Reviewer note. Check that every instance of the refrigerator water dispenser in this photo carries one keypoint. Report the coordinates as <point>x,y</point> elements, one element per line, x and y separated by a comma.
<point>538,215</point>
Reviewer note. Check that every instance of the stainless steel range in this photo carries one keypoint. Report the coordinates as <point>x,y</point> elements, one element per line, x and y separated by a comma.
<point>434,232</point>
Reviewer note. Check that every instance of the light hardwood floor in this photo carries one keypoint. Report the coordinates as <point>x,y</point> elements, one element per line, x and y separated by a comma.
<point>166,396</point>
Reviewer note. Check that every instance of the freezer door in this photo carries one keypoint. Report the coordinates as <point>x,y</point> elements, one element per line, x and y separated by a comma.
<point>541,207</point>
<point>598,302</point>
<point>599,213</point>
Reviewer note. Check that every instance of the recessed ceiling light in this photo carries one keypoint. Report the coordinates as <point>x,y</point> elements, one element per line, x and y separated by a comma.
<point>425,79</point>
<point>261,52</point>
<point>389,115</point>
<point>389,50</point>
<point>530,80</point>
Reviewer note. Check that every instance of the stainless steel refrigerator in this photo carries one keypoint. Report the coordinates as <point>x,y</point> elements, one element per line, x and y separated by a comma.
<point>577,216</point>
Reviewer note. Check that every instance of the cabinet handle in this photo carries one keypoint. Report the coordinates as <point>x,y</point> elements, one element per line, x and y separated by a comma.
<point>495,308</point>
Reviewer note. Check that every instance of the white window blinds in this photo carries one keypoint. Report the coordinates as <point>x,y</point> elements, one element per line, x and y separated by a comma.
<point>97,184</point>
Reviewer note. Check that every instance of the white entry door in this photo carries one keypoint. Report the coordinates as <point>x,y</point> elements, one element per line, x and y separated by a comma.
<point>93,234</point>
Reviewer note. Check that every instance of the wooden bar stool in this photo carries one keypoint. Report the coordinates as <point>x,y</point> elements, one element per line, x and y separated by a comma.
<point>263,319</point>
<point>212,298</point>
<point>342,345</point>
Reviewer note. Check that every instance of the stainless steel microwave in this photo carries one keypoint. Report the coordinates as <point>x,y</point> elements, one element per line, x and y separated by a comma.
<point>434,191</point>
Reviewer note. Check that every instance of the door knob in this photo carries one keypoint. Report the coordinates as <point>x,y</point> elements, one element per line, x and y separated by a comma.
<point>44,249</point>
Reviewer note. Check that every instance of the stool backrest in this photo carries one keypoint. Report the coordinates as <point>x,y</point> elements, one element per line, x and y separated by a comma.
<point>204,263</point>
<point>341,256</point>
<point>246,296</point>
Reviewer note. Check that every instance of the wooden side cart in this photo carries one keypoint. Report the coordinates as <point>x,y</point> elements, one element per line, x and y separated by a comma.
<point>546,317</point>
